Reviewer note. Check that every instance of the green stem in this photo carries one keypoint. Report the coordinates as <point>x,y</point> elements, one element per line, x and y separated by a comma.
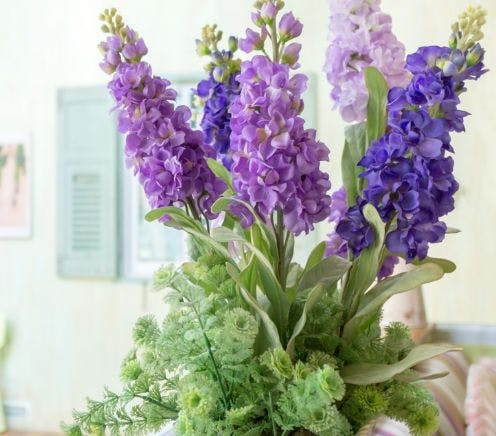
<point>281,249</point>
<point>275,42</point>
<point>211,356</point>
<point>193,210</point>
<point>156,402</point>
<point>271,411</point>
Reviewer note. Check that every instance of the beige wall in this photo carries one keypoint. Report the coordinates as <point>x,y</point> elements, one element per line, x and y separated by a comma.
<point>70,335</point>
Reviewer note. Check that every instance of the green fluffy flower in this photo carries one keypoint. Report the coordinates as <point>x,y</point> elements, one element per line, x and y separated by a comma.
<point>278,361</point>
<point>414,405</point>
<point>364,403</point>
<point>198,395</point>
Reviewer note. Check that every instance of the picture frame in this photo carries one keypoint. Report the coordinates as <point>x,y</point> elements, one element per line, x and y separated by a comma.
<point>15,185</point>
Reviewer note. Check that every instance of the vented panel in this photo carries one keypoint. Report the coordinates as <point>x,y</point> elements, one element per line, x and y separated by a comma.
<point>87,185</point>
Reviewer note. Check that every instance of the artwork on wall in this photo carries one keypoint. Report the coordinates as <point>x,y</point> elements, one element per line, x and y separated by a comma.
<point>15,186</point>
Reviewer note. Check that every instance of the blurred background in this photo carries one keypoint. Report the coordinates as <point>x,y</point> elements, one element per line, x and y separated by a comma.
<point>76,262</point>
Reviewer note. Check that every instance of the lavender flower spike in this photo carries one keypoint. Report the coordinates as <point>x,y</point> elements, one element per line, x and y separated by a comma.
<point>168,157</point>
<point>360,36</point>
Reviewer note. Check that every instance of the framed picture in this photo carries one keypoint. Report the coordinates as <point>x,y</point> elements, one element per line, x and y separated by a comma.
<point>15,185</point>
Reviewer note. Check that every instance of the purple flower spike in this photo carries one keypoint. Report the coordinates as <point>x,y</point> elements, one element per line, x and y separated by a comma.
<point>360,35</point>
<point>168,157</point>
<point>276,161</point>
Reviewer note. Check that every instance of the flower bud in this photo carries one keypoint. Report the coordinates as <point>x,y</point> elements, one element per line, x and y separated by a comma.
<point>474,55</point>
<point>219,74</point>
<point>453,41</point>
<point>449,69</point>
<point>201,48</point>
<point>257,19</point>
<point>232,43</point>
<point>268,12</point>
<point>253,40</point>
<point>289,27</point>
<point>105,28</point>
<point>458,58</point>
<point>291,54</point>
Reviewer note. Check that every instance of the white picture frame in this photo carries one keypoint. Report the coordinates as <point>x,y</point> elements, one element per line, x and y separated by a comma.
<point>15,185</point>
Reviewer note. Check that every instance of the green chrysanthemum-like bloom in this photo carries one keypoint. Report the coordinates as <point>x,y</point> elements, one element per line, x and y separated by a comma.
<point>307,403</point>
<point>317,359</point>
<point>398,342</point>
<point>364,403</point>
<point>145,331</point>
<point>239,416</point>
<point>130,370</point>
<point>330,382</point>
<point>414,405</point>
<point>301,371</point>
<point>198,395</point>
<point>235,338</point>
<point>279,362</point>
<point>329,423</point>
<point>164,277</point>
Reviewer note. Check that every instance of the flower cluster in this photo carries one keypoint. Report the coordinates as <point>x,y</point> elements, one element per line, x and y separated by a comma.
<point>408,171</point>
<point>360,36</point>
<point>166,154</point>
<point>276,160</point>
<point>218,91</point>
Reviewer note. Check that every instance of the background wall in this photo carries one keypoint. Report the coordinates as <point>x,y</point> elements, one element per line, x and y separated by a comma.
<point>69,335</point>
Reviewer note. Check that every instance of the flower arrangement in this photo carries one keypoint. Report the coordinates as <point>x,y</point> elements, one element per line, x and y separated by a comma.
<point>254,343</point>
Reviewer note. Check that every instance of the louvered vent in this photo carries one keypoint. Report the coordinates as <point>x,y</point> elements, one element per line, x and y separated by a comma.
<point>85,212</point>
<point>87,185</point>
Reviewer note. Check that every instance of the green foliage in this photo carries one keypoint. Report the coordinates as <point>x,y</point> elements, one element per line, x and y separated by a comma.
<point>414,405</point>
<point>376,107</point>
<point>354,149</point>
<point>363,404</point>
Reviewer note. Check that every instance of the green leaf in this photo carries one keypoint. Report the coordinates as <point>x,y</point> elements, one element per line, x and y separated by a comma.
<point>445,264</point>
<point>376,107</point>
<point>270,285</point>
<point>221,172</point>
<point>249,276</point>
<point>177,215</point>
<point>314,296</point>
<point>327,272</point>
<point>373,300</point>
<point>354,150</point>
<point>221,204</point>
<point>414,376</point>
<point>452,230</point>
<point>182,220</point>
<point>371,373</point>
<point>365,267</point>
<point>316,255</point>
<point>271,335</point>
<point>268,235</point>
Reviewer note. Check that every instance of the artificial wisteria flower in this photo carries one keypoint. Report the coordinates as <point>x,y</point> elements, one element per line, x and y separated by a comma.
<point>168,157</point>
<point>276,161</point>
<point>218,92</point>
<point>360,36</point>
<point>409,176</point>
